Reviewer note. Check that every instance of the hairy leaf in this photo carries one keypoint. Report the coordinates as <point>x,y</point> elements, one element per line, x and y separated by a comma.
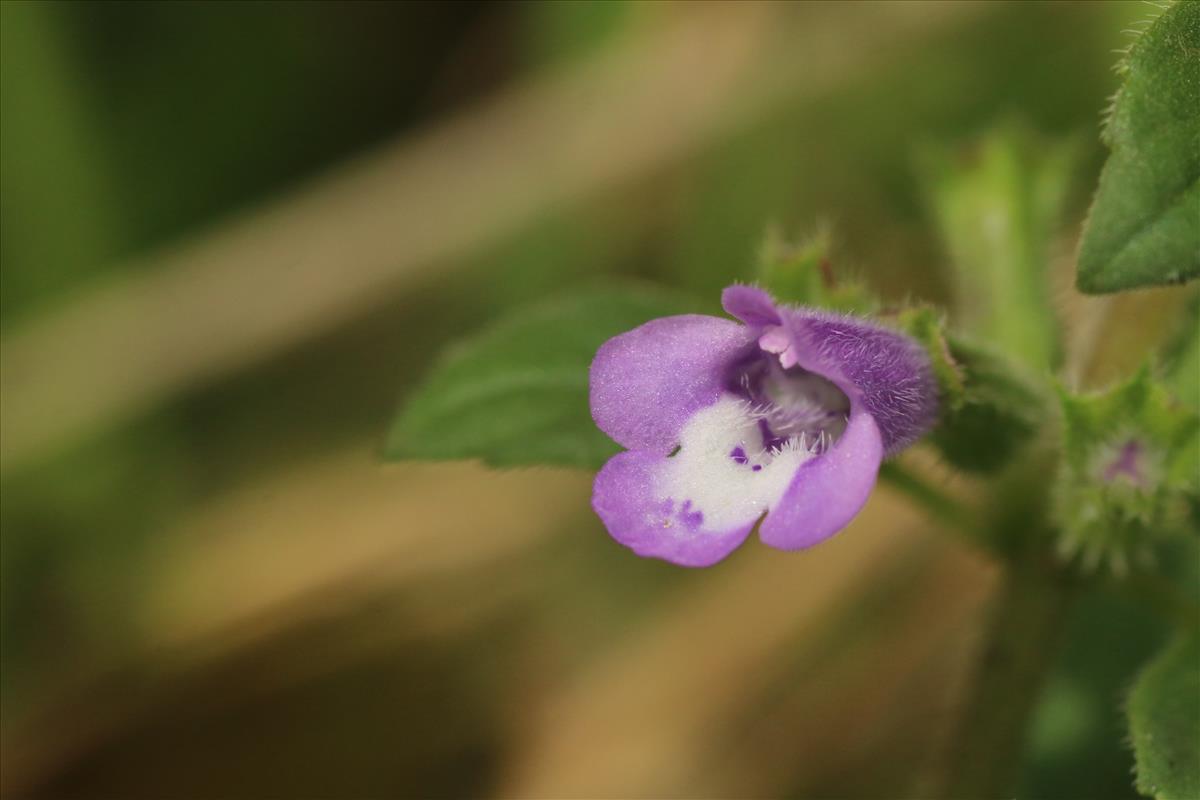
<point>1144,226</point>
<point>1164,722</point>
<point>517,393</point>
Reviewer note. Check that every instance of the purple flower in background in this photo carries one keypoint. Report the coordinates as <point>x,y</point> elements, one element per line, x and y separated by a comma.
<point>789,414</point>
<point>1126,463</point>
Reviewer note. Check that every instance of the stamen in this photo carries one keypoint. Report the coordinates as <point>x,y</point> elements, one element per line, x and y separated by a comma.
<point>778,341</point>
<point>787,403</point>
<point>775,340</point>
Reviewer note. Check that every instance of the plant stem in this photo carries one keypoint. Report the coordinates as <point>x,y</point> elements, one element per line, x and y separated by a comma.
<point>1022,642</point>
<point>939,504</point>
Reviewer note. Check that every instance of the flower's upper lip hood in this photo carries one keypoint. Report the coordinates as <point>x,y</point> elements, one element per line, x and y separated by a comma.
<point>751,305</point>
<point>883,370</point>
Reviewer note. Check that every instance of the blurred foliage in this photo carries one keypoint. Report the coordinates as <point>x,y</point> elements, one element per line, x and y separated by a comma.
<point>1077,745</point>
<point>129,126</point>
<point>997,207</point>
<point>806,272</point>
<point>1181,355</point>
<point>555,33</point>
<point>58,219</point>
<point>242,740</point>
<point>847,157</point>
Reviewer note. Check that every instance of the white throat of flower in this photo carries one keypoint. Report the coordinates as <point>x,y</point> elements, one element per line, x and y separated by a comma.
<point>723,468</point>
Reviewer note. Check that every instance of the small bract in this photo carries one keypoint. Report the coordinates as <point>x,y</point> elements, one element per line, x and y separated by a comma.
<point>788,413</point>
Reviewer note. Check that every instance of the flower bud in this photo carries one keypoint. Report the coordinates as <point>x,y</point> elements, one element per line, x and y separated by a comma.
<point>1130,473</point>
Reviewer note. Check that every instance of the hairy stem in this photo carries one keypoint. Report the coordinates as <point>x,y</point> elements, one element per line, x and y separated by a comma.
<point>1023,634</point>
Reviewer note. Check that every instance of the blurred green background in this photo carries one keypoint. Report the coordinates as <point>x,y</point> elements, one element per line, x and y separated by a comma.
<point>235,234</point>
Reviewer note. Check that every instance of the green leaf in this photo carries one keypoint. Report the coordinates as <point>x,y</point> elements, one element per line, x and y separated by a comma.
<point>1164,722</point>
<point>1144,226</point>
<point>517,393</point>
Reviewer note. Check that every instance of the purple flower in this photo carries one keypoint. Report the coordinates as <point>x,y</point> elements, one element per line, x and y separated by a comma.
<point>788,415</point>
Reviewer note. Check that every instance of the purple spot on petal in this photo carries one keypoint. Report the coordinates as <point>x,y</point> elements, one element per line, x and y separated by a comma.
<point>691,520</point>
<point>756,467</point>
<point>771,442</point>
<point>738,454</point>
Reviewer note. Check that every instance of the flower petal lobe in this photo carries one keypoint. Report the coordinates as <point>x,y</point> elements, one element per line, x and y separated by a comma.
<point>828,491</point>
<point>646,384</point>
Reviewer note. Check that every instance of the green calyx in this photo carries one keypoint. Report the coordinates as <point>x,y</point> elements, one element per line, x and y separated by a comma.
<point>803,272</point>
<point>1130,472</point>
<point>990,407</point>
